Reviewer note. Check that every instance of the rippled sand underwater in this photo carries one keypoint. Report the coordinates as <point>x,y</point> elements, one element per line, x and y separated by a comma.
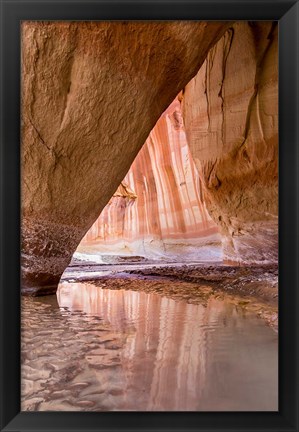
<point>94,349</point>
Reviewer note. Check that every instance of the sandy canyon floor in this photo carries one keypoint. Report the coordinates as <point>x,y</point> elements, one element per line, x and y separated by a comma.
<point>253,288</point>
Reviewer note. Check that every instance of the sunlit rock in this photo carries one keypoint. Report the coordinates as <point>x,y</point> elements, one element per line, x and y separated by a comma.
<point>158,209</point>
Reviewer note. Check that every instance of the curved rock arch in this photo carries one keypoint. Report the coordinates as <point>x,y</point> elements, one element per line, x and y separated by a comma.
<point>91,93</point>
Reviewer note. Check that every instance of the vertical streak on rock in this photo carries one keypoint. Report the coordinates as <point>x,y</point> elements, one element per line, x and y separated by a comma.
<point>227,46</point>
<point>207,95</point>
<point>240,175</point>
<point>167,203</point>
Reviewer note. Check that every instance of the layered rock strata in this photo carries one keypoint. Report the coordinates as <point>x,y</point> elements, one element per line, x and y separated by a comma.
<point>158,208</point>
<point>230,112</point>
<point>91,93</point>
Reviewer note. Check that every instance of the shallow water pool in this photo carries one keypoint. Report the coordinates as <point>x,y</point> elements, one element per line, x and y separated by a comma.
<point>94,349</point>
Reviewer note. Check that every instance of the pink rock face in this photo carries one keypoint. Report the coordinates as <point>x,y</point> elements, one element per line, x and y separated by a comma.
<point>160,199</point>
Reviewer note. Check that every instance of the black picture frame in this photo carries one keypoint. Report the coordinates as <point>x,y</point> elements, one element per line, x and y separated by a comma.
<point>286,12</point>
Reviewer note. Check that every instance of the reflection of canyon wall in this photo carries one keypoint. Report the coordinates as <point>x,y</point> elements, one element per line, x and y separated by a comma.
<point>159,354</point>
<point>160,198</point>
<point>230,112</point>
<point>174,355</point>
<point>91,93</point>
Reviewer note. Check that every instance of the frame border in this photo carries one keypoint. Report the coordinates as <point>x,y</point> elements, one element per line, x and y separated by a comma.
<point>11,13</point>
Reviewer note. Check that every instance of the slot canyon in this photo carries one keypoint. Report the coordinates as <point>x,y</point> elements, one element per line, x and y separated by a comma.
<point>149,212</point>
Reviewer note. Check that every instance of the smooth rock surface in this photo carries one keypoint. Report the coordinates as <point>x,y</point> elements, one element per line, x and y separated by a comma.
<point>91,93</point>
<point>158,210</point>
<point>230,112</point>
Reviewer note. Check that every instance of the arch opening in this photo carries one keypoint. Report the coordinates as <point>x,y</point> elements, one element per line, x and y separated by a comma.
<point>157,214</point>
<point>228,145</point>
<point>91,93</point>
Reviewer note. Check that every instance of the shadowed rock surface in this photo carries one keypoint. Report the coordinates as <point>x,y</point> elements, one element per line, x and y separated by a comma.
<point>91,93</point>
<point>230,111</point>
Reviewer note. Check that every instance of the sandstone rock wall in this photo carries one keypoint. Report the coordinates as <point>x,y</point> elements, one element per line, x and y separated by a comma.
<point>91,93</point>
<point>159,203</point>
<point>230,112</point>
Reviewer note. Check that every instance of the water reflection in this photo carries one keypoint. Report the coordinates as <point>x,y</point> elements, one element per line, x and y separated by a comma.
<point>127,350</point>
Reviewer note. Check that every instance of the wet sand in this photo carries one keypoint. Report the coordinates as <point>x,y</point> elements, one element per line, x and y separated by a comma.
<point>253,288</point>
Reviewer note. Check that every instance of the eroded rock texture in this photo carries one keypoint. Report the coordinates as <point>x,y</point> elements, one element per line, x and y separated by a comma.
<point>91,93</point>
<point>230,112</point>
<point>158,208</point>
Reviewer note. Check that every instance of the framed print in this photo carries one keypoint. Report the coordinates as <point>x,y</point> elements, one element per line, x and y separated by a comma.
<point>149,215</point>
